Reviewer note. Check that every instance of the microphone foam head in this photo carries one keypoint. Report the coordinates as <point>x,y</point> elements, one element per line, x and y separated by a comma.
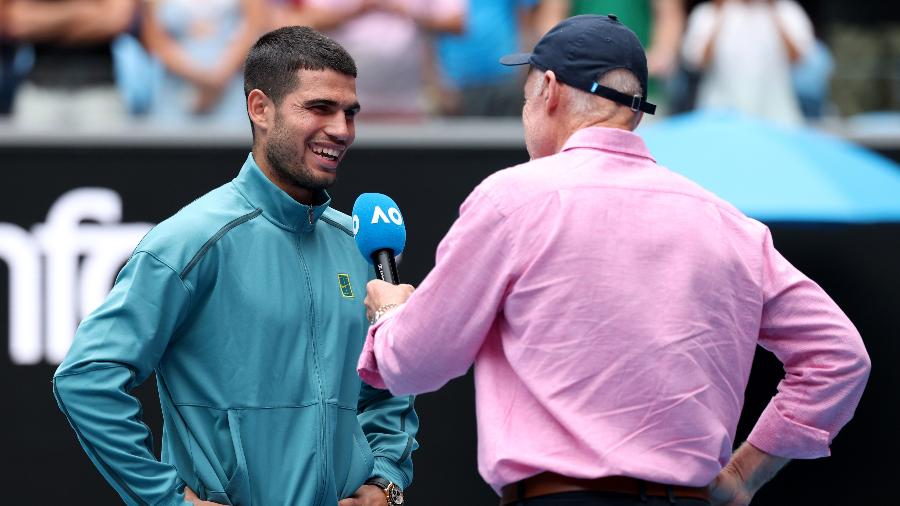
<point>377,225</point>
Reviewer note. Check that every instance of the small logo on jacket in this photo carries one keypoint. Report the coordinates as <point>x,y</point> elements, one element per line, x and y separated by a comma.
<point>344,283</point>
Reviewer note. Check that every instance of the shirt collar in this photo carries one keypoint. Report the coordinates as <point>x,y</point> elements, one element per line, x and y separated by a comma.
<point>609,139</point>
<point>277,206</point>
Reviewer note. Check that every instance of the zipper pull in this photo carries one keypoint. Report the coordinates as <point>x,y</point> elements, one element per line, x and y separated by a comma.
<point>310,215</point>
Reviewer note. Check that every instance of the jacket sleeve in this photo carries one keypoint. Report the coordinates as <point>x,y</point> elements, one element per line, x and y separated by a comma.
<point>825,362</point>
<point>390,424</point>
<point>114,350</point>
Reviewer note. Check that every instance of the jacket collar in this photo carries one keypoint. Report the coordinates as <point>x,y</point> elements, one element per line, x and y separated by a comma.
<point>609,139</point>
<point>277,206</point>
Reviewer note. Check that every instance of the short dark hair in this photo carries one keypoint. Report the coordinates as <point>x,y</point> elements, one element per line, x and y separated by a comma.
<point>274,60</point>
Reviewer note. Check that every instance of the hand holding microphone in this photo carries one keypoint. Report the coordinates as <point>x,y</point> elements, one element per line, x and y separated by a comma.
<point>382,297</point>
<point>380,237</point>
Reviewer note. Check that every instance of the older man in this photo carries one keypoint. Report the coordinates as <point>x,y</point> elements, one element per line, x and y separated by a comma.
<point>612,309</point>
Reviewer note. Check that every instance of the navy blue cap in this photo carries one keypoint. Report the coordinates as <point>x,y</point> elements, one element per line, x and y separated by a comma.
<point>580,49</point>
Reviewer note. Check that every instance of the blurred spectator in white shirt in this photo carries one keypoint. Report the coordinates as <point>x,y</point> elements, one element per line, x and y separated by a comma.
<point>744,50</point>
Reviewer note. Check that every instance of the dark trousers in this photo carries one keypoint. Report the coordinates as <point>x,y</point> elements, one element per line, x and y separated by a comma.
<point>605,499</point>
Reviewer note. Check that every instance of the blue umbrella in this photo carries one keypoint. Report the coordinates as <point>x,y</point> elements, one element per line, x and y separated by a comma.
<point>775,173</point>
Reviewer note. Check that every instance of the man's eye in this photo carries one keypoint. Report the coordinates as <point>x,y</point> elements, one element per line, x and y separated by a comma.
<point>319,108</point>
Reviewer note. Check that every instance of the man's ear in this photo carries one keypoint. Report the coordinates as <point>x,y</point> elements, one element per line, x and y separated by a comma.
<point>637,120</point>
<point>552,89</point>
<point>261,110</point>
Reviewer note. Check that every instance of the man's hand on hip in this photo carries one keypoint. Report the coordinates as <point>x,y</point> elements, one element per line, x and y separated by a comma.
<point>191,497</point>
<point>729,489</point>
<point>749,469</point>
<point>380,294</point>
<point>367,495</point>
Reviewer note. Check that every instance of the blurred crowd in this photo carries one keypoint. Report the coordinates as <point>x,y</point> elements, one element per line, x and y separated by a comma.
<point>100,63</point>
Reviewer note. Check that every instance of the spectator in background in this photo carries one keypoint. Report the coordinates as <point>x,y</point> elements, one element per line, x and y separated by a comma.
<point>8,77</point>
<point>865,39</point>
<point>745,50</point>
<point>71,82</point>
<point>659,25</point>
<point>811,77</point>
<point>470,81</point>
<point>284,13</point>
<point>389,41</point>
<point>202,45</point>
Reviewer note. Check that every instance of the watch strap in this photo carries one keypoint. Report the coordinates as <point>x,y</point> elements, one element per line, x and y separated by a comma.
<point>379,482</point>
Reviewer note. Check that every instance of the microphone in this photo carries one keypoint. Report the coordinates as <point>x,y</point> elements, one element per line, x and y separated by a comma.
<point>380,233</point>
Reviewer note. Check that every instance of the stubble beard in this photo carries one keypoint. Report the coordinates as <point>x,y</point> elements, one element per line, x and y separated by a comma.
<point>286,159</point>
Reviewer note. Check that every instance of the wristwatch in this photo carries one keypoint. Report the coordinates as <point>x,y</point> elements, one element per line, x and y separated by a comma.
<point>393,493</point>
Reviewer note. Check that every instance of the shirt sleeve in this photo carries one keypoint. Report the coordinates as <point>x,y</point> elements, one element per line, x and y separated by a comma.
<point>115,349</point>
<point>825,362</point>
<point>701,26</point>
<point>797,25</point>
<point>436,335</point>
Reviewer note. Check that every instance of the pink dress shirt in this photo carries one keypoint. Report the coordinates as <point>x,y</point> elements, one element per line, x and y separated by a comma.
<point>612,308</point>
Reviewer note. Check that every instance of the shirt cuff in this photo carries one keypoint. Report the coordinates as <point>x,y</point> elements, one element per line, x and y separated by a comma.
<point>367,366</point>
<point>778,435</point>
<point>387,469</point>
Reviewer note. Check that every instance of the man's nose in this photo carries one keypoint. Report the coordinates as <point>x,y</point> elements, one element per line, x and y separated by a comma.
<point>340,127</point>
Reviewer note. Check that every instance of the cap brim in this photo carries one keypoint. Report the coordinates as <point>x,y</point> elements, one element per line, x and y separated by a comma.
<point>516,59</point>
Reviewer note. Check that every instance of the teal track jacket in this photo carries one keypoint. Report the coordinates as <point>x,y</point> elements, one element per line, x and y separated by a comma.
<point>249,308</point>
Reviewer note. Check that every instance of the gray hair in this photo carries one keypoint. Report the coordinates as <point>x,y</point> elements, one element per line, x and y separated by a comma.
<point>621,80</point>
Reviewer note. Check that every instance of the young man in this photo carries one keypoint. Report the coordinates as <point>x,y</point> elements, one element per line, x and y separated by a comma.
<point>246,305</point>
<point>612,309</point>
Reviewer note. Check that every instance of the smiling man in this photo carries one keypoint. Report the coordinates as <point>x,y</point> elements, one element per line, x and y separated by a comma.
<point>246,306</point>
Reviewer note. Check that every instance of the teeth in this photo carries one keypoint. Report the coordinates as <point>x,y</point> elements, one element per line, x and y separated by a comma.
<point>327,152</point>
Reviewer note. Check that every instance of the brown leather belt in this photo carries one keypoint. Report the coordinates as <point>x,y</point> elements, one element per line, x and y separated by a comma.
<point>551,483</point>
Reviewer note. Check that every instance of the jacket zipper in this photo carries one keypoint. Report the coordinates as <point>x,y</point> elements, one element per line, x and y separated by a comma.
<point>323,459</point>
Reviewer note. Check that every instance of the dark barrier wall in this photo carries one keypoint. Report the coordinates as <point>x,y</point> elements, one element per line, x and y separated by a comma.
<point>59,250</point>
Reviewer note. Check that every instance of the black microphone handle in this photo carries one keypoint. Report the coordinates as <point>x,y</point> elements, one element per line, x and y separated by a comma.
<point>385,266</point>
